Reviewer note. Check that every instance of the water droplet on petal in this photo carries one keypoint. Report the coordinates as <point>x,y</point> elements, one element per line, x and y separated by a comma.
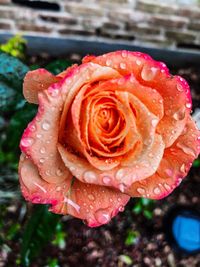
<point>58,188</point>
<point>148,74</point>
<point>186,149</point>
<point>124,53</point>
<point>42,150</point>
<point>102,216</point>
<point>41,160</point>
<point>167,187</point>
<point>120,174</point>
<point>179,87</point>
<point>188,105</point>
<point>59,172</point>
<point>122,187</point>
<point>182,168</point>
<point>32,128</point>
<point>154,122</point>
<point>157,190</point>
<point>138,62</point>
<point>121,208</point>
<point>91,197</point>
<point>108,62</point>
<point>169,172</point>
<point>122,66</point>
<point>90,176</point>
<point>45,125</point>
<point>106,179</point>
<point>141,191</point>
<point>180,114</point>
<point>26,142</point>
<point>38,136</point>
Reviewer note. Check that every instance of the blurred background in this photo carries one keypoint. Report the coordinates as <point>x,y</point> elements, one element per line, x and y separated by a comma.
<point>55,34</point>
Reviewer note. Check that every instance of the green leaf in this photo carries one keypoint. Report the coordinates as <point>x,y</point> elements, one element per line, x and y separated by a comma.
<point>196,163</point>
<point>38,232</point>
<point>126,259</point>
<point>58,66</point>
<point>132,237</point>
<point>137,208</point>
<point>53,263</point>
<point>148,214</point>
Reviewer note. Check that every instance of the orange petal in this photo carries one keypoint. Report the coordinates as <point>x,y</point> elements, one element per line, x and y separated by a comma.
<point>37,190</point>
<point>94,204</point>
<point>39,140</point>
<point>174,166</point>
<point>36,81</point>
<point>174,90</point>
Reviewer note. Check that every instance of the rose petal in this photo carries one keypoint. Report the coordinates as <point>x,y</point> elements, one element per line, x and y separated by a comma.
<point>36,81</point>
<point>174,90</point>
<point>174,166</point>
<point>94,204</point>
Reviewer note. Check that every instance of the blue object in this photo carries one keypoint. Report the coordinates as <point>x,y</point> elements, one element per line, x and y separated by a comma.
<point>186,232</point>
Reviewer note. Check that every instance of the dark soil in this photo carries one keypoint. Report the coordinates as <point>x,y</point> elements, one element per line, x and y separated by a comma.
<point>103,246</point>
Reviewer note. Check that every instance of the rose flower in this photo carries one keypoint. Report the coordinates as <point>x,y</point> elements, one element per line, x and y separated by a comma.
<point>115,127</point>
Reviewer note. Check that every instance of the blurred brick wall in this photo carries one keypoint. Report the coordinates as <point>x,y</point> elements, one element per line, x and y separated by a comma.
<point>158,23</point>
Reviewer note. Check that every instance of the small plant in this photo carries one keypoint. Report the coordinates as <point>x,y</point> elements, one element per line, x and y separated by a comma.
<point>145,207</point>
<point>15,46</point>
<point>132,237</point>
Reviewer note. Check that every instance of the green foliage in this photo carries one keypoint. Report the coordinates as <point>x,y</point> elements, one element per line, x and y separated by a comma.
<point>39,230</point>
<point>58,66</point>
<point>132,237</point>
<point>126,259</point>
<point>15,46</point>
<point>53,263</point>
<point>145,207</point>
<point>196,163</point>
<point>60,237</point>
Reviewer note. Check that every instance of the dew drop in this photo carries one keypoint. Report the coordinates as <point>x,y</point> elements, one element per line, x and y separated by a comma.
<point>54,92</point>
<point>102,216</point>
<point>167,187</point>
<point>41,160</point>
<point>32,128</point>
<point>157,190</point>
<point>45,125</point>
<point>182,168</point>
<point>91,197</point>
<point>90,176</point>
<point>48,173</point>
<point>122,66</point>
<point>108,62</point>
<point>154,122</point>
<point>120,174</point>
<point>188,105</point>
<point>124,53</point>
<point>27,142</point>
<point>148,74</point>
<point>186,149</point>
<point>141,191</point>
<point>58,188</point>
<point>138,62</point>
<point>119,199</point>
<point>179,115</point>
<point>169,172</point>
<point>42,150</point>
<point>59,172</point>
<point>106,179</point>
<point>121,208</point>
<point>179,87</point>
<point>38,136</point>
<point>122,187</point>
<point>72,168</point>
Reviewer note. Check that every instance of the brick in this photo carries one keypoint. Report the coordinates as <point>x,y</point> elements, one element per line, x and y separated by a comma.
<point>82,32</point>
<point>6,13</point>
<point>5,25</point>
<point>152,7</point>
<point>5,2</point>
<point>189,12</point>
<point>184,37</point>
<point>123,15</point>
<point>147,30</point>
<point>56,18</point>
<point>169,21</point>
<point>194,25</point>
<point>117,34</point>
<point>83,9</point>
<point>33,28</point>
